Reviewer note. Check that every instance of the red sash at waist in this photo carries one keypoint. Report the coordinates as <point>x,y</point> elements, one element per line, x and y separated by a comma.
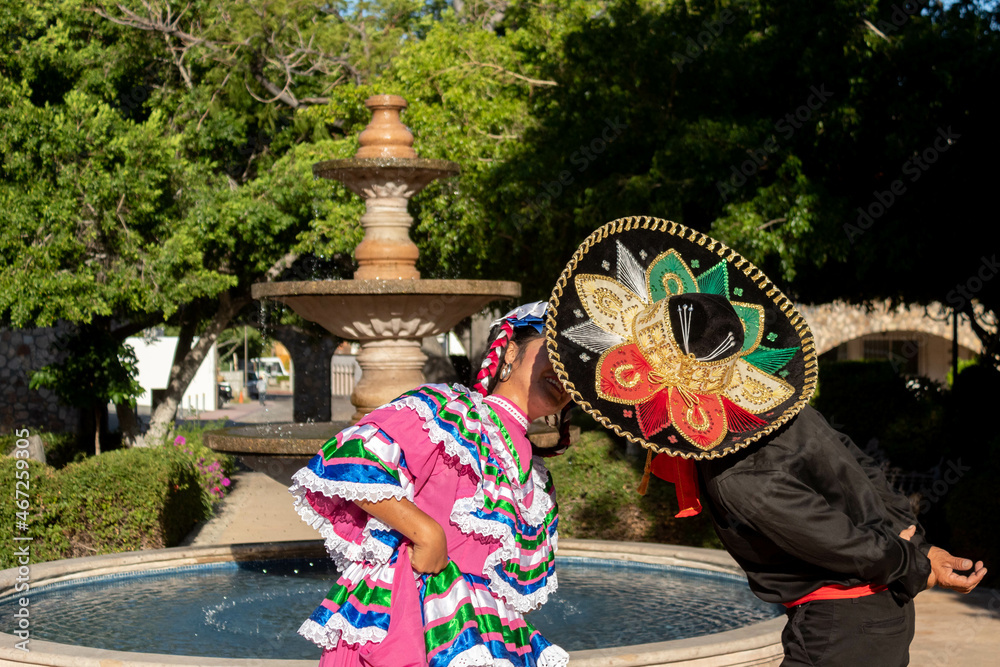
<point>836,592</point>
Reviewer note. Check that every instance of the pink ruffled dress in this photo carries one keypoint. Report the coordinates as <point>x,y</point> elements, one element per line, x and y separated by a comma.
<point>466,462</point>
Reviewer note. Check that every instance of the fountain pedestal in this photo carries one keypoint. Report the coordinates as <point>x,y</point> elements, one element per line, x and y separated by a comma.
<point>385,365</point>
<point>387,306</point>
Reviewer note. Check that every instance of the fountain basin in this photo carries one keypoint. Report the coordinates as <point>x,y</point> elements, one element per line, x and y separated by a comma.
<point>363,175</point>
<point>278,450</point>
<point>755,644</point>
<point>405,308</point>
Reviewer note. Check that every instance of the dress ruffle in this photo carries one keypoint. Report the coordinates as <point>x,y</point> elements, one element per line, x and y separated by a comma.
<point>516,518</point>
<point>479,513</point>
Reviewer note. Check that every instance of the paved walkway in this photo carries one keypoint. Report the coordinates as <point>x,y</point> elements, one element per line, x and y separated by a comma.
<point>952,630</point>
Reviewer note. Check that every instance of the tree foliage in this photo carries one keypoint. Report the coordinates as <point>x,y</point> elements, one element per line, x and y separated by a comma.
<point>96,369</point>
<point>156,154</point>
<point>770,125</point>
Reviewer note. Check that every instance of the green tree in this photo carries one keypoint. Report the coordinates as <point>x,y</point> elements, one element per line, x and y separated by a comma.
<point>97,369</point>
<point>157,155</point>
<point>144,180</point>
<point>769,125</point>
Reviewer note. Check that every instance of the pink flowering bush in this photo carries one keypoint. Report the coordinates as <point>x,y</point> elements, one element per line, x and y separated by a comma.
<point>213,468</point>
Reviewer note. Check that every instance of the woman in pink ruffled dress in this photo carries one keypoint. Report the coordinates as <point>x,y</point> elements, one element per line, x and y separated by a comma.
<point>441,521</point>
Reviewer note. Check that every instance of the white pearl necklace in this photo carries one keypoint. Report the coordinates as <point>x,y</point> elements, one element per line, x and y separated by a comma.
<point>509,408</point>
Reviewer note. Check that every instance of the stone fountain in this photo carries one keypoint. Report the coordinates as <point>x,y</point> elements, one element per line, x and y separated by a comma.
<point>388,307</point>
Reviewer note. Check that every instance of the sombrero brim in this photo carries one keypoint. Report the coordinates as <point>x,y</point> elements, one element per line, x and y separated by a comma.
<point>633,263</point>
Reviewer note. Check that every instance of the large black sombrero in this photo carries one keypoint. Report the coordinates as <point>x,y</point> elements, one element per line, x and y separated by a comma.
<point>675,341</point>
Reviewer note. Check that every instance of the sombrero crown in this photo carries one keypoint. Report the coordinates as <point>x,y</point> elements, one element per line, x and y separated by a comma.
<point>677,342</point>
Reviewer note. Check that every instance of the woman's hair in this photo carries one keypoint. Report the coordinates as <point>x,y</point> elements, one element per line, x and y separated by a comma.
<point>521,336</point>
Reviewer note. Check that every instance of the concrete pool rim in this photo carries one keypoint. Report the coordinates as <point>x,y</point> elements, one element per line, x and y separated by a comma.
<point>755,644</point>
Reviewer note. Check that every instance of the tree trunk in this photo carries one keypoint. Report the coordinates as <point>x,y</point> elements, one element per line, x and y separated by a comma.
<point>187,360</point>
<point>128,424</point>
<point>97,430</point>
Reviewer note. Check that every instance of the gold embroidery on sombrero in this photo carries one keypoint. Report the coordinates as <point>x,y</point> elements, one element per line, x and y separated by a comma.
<point>611,305</point>
<point>756,391</point>
<point>633,375</point>
<point>699,418</point>
<point>642,363</point>
<point>649,360</point>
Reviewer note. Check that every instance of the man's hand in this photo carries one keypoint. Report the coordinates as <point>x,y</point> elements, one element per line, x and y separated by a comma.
<point>943,566</point>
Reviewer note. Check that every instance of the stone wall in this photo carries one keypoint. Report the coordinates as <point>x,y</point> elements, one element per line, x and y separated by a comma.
<point>21,351</point>
<point>838,322</point>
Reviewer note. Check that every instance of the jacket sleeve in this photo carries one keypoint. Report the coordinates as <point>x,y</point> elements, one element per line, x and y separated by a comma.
<point>803,524</point>
<point>898,508</point>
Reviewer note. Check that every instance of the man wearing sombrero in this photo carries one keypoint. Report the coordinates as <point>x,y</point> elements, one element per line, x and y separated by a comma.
<point>676,342</point>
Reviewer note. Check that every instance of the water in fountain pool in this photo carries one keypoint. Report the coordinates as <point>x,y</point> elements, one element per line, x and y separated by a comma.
<point>252,610</point>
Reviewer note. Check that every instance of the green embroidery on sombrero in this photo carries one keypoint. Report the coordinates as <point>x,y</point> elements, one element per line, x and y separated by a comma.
<point>715,280</point>
<point>752,320</point>
<point>668,274</point>
<point>769,359</point>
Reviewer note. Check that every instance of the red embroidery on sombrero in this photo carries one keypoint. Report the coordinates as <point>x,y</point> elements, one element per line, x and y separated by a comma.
<point>624,375</point>
<point>740,420</point>
<point>699,418</point>
<point>653,414</point>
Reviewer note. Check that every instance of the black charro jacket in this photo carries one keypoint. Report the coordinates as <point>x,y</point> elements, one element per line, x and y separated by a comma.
<point>806,508</point>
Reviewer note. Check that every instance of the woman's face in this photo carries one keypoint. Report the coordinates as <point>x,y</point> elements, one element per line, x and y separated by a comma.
<point>533,385</point>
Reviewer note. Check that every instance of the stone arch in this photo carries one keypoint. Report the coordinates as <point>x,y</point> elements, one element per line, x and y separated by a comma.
<point>836,323</point>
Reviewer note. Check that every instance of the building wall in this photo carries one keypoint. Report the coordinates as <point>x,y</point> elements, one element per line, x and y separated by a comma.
<point>155,358</point>
<point>22,351</point>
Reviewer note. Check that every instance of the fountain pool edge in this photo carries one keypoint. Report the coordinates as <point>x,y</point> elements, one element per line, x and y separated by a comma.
<point>756,644</point>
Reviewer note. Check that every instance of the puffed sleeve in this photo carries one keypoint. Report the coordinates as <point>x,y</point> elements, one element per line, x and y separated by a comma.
<point>361,463</point>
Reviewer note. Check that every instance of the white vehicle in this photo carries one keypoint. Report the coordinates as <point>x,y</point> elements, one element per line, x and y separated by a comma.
<point>271,366</point>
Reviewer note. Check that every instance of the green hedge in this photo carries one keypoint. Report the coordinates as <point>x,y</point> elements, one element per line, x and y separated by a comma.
<point>869,400</point>
<point>48,541</point>
<point>60,448</point>
<point>120,501</point>
<point>596,488</point>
